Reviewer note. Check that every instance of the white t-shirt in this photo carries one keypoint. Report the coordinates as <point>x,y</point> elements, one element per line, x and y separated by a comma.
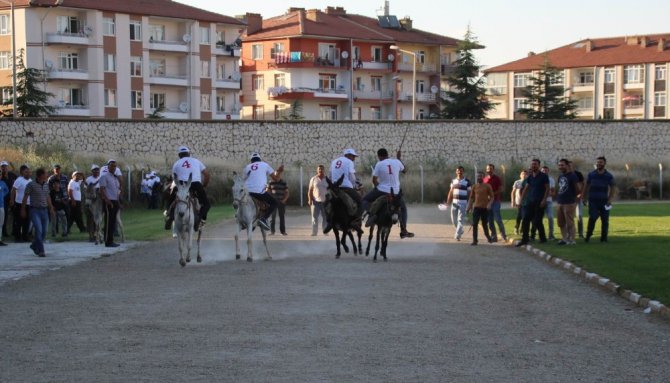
<point>93,180</point>
<point>105,169</point>
<point>20,186</point>
<point>552,185</point>
<point>388,174</point>
<point>186,166</point>
<point>75,186</point>
<point>256,176</point>
<point>345,166</point>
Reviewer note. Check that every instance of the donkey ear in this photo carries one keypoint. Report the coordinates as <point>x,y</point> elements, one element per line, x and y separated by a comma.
<point>190,177</point>
<point>339,180</point>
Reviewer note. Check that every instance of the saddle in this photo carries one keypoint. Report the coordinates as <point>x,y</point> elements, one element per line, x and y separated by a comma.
<point>261,208</point>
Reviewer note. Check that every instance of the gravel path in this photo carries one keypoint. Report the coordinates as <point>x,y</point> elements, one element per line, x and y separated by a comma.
<point>438,311</point>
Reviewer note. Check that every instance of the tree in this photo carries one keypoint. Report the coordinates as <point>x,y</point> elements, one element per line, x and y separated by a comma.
<point>296,111</point>
<point>467,97</point>
<point>546,96</point>
<point>31,101</point>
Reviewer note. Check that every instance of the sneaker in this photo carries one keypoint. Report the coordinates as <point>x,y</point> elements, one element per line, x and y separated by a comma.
<point>263,224</point>
<point>562,242</point>
<point>283,233</point>
<point>32,247</point>
<point>406,234</point>
<point>42,255</point>
<point>493,240</point>
<point>474,243</point>
<point>112,245</point>
<point>371,220</point>
<point>572,243</point>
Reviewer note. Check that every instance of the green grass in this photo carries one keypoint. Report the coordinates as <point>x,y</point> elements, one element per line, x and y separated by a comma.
<point>637,254</point>
<point>141,224</point>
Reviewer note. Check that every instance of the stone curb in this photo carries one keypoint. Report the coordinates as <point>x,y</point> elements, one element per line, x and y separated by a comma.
<point>650,306</point>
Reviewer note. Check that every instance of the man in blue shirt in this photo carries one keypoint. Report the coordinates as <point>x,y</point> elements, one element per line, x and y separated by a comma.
<point>4,190</point>
<point>599,190</point>
<point>566,198</point>
<point>535,193</point>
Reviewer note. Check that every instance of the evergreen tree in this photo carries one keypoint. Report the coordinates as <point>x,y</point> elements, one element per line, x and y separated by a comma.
<point>31,101</point>
<point>546,96</point>
<point>296,111</point>
<point>467,97</point>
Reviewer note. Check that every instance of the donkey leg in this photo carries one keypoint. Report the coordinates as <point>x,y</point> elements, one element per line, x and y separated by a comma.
<point>385,243</point>
<point>353,243</point>
<point>189,243</point>
<point>377,239</point>
<point>343,241</point>
<point>182,245</point>
<point>359,233</point>
<point>250,257</point>
<point>367,249</point>
<point>198,245</point>
<point>265,243</point>
<point>337,242</point>
<point>237,242</point>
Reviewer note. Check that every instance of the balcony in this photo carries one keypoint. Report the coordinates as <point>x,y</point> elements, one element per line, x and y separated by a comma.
<point>228,83</point>
<point>578,86</point>
<point>67,74</point>
<point>420,97</point>
<point>304,60</point>
<point>447,69</point>
<point>175,113</point>
<point>633,104</point>
<point>373,95</point>
<point>168,46</point>
<point>496,90</point>
<point>64,109</point>
<point>231,50</point>
<point>419,67</point>
<point>284,93</point>
<point>161,78</point>
<point>373,65</point>
<point>80,38</point>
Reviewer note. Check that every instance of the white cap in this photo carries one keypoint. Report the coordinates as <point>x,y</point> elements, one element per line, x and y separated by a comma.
<point>110,161</point>
<point>147,176</point>
<point>350,151</point>
<point>152,173</point>
<point>4,163</point>
<point>183,149</point>
<point>94,166</point>
<point>255,155</point>
<point>74,173</point>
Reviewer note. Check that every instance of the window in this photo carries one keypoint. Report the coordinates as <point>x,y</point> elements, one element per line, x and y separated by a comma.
<point>257,82</point>
<point>108,26</point>
<point>280,79</point>
<point>135,31</point>
<point>557,78</point>
<point>204,35</point>
<point>205,104</point>
<point>327,81</point>
<point>375,113</point>
<point>110,97</point>
<point>420,86</point>
<point>496,83</point>
<point>358,84</point>
<point>377,54</point>
<point>68,61</point>
<point>659,99</point>
<point>376,83</point>
<point>68,25</point>
<point>356,113</point>
<point>281,111</point>
<point>608,101</point>
<point>220,37</point>
<point>156,32</point>
<point>610,75</point>
<point>521,80</point>
<point>6,94</point>
<point>585,103</point>
<point>585,78</point>
<point>520,103</point>
<point>204,68</point>
<point>633,74</point>
<point>5,25</point>
<point>660,72</point>
<point>110,63</point>
<point>136,66</point>
<point>157,100</point>
<point>258,113</point>
<point>72,96</point>
<point>276,48</point>
<point>5,60</point>
<point>328,112</point>
<point>257,52</point>
<point>221,72</point>
<point>136,99</point>
<point>157,67</point>
<point>220,103</point>
<point>421,57</point>
<point>421,115</point>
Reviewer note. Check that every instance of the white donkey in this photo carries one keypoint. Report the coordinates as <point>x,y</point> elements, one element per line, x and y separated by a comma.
<point>94,206</point>
<point>246,214</point>
<point>184,221</point>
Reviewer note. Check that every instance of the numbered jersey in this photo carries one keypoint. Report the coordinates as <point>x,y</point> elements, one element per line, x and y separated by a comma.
<point>343,166</point>
<point>187,166</point>
<point>256,174</point>
<point>388,175</point>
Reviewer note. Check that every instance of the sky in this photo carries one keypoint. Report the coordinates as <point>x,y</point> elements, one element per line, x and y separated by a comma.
<point>508,28</point>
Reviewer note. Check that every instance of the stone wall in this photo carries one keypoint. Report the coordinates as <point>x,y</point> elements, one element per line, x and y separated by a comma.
<point>310,142</point>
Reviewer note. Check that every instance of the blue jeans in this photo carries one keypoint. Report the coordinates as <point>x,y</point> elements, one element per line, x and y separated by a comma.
<point>39,216</point>
<point>458,215</point>
<point>549,211</point>
<point>597,210</point>
<point>495,217</point>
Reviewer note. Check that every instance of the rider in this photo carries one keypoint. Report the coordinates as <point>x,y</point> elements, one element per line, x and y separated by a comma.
<point>184,167</point>
<point>386,176</point>
<point>344,166</point>
<point>256,177</point>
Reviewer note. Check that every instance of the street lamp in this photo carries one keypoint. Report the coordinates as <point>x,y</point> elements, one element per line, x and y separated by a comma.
<point>11,5</point>
<point>397,48</point>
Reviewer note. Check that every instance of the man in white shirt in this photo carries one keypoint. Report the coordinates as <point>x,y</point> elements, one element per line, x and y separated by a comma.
<point>74,196</point>
<point>20,228</point>
<point>185,167</point>
<point>316,196</point>
<point>344,167</point>
<point>386,176</point>
<point>256,180</point>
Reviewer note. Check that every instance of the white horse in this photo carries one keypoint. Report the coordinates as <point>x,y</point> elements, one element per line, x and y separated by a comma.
<point>184,221</point>
<point>246,214</point>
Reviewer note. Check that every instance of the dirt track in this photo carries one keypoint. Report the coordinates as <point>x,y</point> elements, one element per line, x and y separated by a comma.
<point>438,311</point>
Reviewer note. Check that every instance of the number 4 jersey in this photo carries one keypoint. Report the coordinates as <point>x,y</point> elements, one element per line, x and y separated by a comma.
<point>388,174</point>
<point>186,166</point>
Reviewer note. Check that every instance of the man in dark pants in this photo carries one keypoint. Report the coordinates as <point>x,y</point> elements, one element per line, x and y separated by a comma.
<point>110,193</point>
<point>599,190</point>
<point>535,192</point>
<point>279,189</point>
<point>8,177</point>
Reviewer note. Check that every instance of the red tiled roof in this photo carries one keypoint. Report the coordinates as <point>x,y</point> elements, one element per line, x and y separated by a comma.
<point>296,23</point>
<point>604,52</point>
<point>163,8</point>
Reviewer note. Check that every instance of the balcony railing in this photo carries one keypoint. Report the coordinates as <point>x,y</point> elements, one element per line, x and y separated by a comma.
<point>497,90</point>
<point>167,45</point>
<point>279,91</point>
<point>67,38</point>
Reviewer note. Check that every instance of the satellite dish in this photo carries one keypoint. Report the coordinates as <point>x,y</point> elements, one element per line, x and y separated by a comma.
<point>186,38</point>
<point>88,30</point>
<point>391,57</point>
<point>434,89</point>
<point>49,64</point>
<point>345,55</point>
<point>183,107</point>
<point>236,76</point>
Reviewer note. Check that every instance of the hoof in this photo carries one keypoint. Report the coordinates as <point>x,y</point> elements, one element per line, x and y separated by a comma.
<point>374,260</point>
<point>337,256</point>
<point>188,259</point>
<point>237,256</point>
<point>199,259</point>
<point>182,262</point>
<point>249,259</point>
<point>268,258</point>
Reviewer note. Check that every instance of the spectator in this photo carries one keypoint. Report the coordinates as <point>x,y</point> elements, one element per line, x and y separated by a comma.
<point>155,189</point>
<point>494,216</point>
<point>110,192</point>
<point>58,216</point>
<point>21,224</point>
<point>92,182</point>
<point>535,192</point>
<point>145,190</point>
<point>515,197</point>
<point>37,197</point>
<point>316,196</point>
<point>599,190</point>
<point>74,196</point>
<point>580,200</point>
<point>458,196</point>
<point>279,190</point>
<point>4,191</point>
<point>8,177</point>
<point>549,208</point>
<point>480,202</point>
<point>566,197</point>
<point>57,176</point>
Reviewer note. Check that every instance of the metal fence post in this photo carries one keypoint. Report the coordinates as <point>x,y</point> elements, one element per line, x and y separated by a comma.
<point>129,179</point>
<point>660,181</point>
<point>421,170</point>
<point>301,188</point>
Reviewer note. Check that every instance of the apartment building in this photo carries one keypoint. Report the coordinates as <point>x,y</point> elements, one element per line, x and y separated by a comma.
<point>340,66</point>
<point>610,78</point>
<point>127,58</point>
